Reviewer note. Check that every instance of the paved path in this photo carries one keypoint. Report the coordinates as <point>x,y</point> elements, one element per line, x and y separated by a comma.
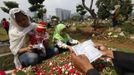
<point>5,54</point>
<point>4,43</point>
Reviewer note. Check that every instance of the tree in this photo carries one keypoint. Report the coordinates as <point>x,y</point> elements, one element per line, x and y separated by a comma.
<point>41,12</point>
<point>9,5</point>
<point>33,2</point>
<point>38,8</point>
<point>127,6</point>
<point>55,17</point>
<point>103,13</point>
<point>91,12</point>
<point>89,9</point>
<point>81,10</point>
<point>105,6</point>
<point>35,7</point>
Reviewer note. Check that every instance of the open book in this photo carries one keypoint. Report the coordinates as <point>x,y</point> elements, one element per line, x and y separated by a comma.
<point>88,49</point>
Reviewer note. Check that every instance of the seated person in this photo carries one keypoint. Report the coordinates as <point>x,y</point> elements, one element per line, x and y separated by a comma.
<point>20,26</point>
<point>61,38</point>
<point>39,39</point>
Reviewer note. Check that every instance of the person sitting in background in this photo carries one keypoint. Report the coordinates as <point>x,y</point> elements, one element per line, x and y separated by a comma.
<point>123,62</point>
<point>5,24</point>
<point>61,38</point>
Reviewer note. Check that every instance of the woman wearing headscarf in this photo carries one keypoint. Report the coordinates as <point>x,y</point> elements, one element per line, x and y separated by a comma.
<point>61,38</point>
<point>18,30</point>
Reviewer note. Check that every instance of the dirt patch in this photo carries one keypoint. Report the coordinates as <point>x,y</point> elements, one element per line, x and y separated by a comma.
<point>126,44</point>
<point>85,33</point>
<point>4,49</point>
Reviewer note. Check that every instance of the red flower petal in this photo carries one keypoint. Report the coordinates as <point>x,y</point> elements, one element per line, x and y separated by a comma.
<point>2,73</point>
<point>71,70</point>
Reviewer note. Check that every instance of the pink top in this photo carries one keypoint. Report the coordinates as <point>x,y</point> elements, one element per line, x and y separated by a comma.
<point>36,38</point>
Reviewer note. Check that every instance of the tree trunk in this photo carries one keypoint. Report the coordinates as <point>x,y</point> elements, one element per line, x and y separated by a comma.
<point>92,12</point>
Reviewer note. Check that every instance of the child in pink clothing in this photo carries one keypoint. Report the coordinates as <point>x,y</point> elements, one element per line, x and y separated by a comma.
<point>39,39</point>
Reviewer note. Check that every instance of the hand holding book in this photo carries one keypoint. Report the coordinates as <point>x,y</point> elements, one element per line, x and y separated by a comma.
<point>87,48</point>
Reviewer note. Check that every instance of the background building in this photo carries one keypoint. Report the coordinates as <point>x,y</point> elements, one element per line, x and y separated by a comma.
<point>63,14</point>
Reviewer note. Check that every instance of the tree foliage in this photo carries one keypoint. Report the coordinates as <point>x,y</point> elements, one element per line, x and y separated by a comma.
<point>109,4</point>
<point>105,6</point>
<point>103,12</point>
<point>54,18</point>
<point>41,11</point>
<point>81,10</point>
<point>5,9</point>
<point>126,8</point>
<point>90,9</point>
<point>37,7</point>
<point>34,2</point>
<point>9,5</point>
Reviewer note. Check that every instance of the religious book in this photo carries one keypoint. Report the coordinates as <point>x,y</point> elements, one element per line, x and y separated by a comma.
<point>87,48</point>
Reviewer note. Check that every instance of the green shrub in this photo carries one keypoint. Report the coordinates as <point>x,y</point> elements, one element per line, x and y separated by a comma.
<point>128,27</point>
<point>121,39</point>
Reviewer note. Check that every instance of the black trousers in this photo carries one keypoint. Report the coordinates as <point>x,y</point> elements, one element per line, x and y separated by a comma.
<point>123,63</point>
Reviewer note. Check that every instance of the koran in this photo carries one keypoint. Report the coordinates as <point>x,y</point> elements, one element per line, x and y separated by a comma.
<point>87,48</point>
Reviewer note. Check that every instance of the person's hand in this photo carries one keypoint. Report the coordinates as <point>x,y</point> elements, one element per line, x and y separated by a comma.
<point>29,48</point>
<point>101,47</point>
<point>72,41</point>
<point>78,41</point>
<point>26,49</point>
<point>104,50</point>
<point>81,63</point>
<point>70,48</point>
